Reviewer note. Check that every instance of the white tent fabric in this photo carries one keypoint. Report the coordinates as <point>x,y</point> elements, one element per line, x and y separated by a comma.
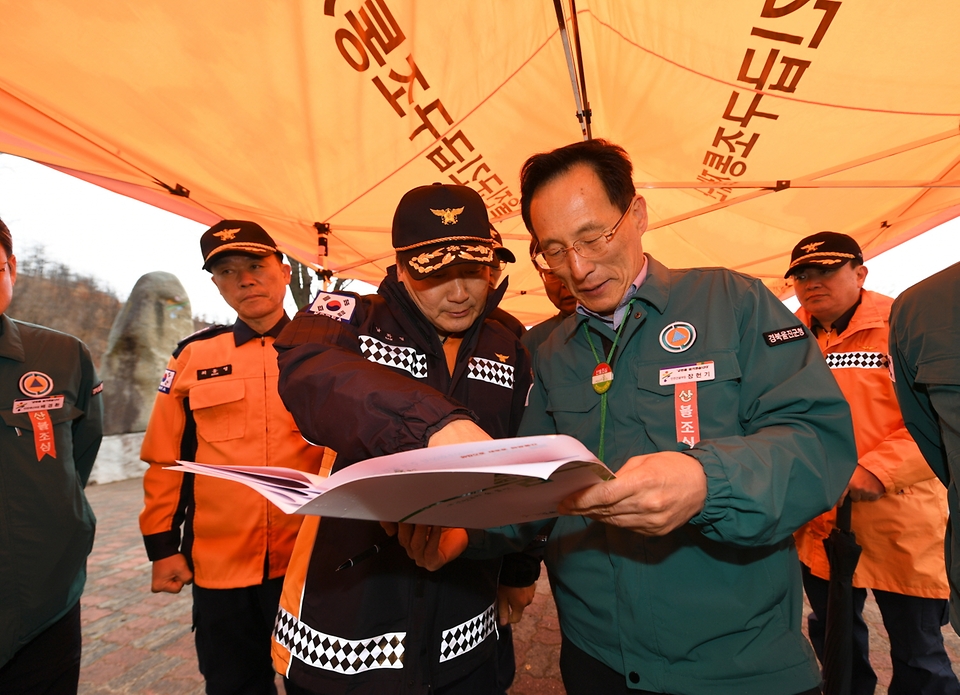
<point>751,123</point>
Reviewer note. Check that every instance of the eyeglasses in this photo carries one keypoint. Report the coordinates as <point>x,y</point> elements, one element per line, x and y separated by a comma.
<point>594,247</point>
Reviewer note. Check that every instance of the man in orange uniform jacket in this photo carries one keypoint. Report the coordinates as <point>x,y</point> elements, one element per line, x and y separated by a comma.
<point>899,507</point>
<point>218,403</point>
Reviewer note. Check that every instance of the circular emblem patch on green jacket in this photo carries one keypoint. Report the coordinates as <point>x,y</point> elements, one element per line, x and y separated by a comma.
<point>678,336</point>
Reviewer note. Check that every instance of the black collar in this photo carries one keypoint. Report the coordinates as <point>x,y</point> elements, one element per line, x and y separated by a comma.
<point>840,325</point>
<point>242,332</point>
<point>412,320</point>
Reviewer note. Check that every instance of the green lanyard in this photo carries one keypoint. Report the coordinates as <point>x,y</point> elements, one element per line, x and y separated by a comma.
<point>607,375</point>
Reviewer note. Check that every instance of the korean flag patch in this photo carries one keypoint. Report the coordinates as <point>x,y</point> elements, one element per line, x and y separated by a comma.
<point>166,382</point>
<point>334,305</point>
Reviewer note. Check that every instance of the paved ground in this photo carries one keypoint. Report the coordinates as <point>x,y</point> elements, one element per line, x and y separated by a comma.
<point>138,642</point>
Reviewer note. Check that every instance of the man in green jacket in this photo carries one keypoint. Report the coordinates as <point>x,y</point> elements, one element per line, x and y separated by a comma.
<point>726,431</point>
<point>924,340</point>
<point>49,438</point>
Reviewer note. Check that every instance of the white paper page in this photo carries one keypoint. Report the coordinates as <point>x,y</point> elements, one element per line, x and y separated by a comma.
<point>476,485</point>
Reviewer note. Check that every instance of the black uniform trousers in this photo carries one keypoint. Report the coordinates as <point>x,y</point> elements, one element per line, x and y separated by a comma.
<point>49,664</point>
<point>920,663</point>
<point>233,632</point>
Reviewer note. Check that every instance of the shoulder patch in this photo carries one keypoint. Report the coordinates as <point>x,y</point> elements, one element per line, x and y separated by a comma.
<point>204,333</point>
<point>335,305</point>
<point>785,335</point>
<point>166,381</point>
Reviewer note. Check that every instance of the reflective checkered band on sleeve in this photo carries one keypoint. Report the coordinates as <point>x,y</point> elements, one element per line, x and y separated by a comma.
<point>858,360</point>
<point>332,653</point>
<point>466,636</point>
<point>491,371</point>
<point>405,358</point>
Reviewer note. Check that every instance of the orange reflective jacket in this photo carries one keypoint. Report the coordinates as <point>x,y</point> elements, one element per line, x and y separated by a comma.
<point>218,403</point>
<point>902,532</point>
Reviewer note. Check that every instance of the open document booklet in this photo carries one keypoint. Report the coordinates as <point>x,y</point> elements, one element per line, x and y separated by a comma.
<point>474,485</point>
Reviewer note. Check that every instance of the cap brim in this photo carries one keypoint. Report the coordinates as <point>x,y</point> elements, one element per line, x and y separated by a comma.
<point>423,261</point>
<point>505,254</point>
<point>239,249</point>
<point>821,262</point>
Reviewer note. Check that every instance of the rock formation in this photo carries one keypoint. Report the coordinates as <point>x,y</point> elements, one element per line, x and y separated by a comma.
<point>151,323</point>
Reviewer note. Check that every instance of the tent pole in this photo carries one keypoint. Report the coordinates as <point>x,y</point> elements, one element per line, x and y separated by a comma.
<point>571,69</point>
<point>586,113</point>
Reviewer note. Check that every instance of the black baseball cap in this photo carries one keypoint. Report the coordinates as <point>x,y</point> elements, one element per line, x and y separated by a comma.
<point>503,253</point>
<point>235,236</point>
<point>825,249</point>
<point>441,225</point>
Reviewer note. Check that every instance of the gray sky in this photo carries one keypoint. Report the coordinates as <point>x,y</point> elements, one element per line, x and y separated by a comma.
<point>100,233</point>
<point>117,239</point>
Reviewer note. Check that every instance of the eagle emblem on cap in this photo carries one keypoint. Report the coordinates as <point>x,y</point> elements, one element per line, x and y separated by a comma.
<point>502,358</point>
<point>448,215</point>
<point>810,248</point>
<point>226,234</point>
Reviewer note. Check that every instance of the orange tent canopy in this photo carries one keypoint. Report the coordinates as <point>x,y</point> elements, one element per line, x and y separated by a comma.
<point>751,123</point>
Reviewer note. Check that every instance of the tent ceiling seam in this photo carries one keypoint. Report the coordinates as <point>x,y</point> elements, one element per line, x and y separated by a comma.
<point>455,125</point>
<point>745,88</point>
<point>177,190</point>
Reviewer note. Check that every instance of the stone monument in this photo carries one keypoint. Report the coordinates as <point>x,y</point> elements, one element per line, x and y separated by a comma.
<point>153,320</point>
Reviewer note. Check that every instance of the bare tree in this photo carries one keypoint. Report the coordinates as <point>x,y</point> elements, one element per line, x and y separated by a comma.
<point>50,294</point>
<point>302,282</point>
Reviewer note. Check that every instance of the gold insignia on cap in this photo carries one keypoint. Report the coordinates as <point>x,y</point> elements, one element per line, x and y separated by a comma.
<point>502,358</point>
<point>226,234</point>
<point>476,253</point>
<point>830,261</point>
<point>449,215</point>
<point>810,248</point>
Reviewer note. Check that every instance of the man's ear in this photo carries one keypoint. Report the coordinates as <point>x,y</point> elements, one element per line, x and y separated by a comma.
<point>641,212</point>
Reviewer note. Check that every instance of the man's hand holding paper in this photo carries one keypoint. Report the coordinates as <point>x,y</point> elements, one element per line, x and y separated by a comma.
<point>651,495</point>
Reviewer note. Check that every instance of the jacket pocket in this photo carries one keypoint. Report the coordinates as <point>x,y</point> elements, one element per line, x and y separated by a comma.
<point>219,411</point>
<point>571,408</point>
<point>718,400</point>
<point>939,370</point>
<point>67,413</point>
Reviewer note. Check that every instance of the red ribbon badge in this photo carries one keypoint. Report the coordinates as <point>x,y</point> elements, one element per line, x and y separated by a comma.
<point>43,434</point>
<point>688,418</point>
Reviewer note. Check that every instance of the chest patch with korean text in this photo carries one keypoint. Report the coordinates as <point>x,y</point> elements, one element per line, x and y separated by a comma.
<point>701,371</point>
<point>30,405</point>
<point>785,335</point>
<point>213,372</point>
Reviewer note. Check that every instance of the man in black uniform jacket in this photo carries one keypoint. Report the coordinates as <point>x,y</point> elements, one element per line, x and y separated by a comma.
<point>418,364</point>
